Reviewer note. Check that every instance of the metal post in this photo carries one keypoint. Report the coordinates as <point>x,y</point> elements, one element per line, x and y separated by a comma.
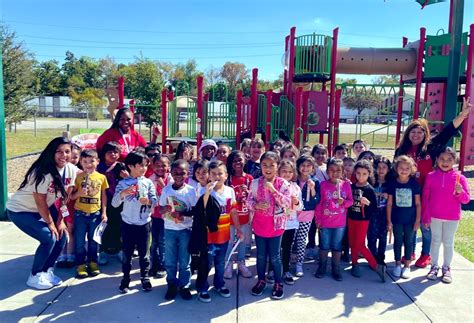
<point>199,108</point>
<point>291,63</point>
<point>298,112</point>
<point>34,122</point>
<point>400,103</point>
<point>268,119</point>
<point>164,120</point>
<point>238,118</point>
<point>332,93</point>
<point>87,117</point>
<point>3,152</point>
<point>419,72</point>
<point>254,105</point>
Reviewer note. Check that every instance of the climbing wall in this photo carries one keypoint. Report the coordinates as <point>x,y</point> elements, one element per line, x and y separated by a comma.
<point>435,97</point>
<point>469,123</point>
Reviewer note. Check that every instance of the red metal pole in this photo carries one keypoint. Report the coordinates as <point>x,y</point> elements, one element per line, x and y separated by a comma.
<point>305,115</point>
<point>199,111</point>
<point>450,15</point>
<point>298,110</point>
<point>400,103</point>
<point>164,119</point>
<point>321,138</point>
<point>121,91</point>
<point>291,63</point>
<point>238,119</point>
<point>419,73</point>
<point>332,93</point>
<point>131,105</point>
<point>337,111</point>
<point>469,85</point>
<point>254,98</point>
<point>268,119</point>
<point>286,67</point>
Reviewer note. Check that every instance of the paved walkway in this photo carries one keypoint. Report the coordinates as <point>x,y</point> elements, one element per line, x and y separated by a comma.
<point>309,300</point>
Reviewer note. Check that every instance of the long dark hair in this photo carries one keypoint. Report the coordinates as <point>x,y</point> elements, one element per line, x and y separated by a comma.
<point>405,143</point>
<point>45,165</point>
<point>115,124</point>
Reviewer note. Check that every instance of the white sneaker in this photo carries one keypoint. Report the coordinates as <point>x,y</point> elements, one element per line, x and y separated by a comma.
<point>228,271</point>
<point>405,272</point>
<point>39,281</point>
<point>243,270</point>
<point>103,258</point>
<point>397,271</point>
<point>52,278</point>
<point>299,270</point>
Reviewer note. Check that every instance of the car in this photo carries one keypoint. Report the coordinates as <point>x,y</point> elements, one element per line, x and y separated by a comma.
<point>391,119</point>
<point>183,116</point>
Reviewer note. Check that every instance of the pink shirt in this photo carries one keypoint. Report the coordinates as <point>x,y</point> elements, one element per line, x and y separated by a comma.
<point>439,199</point>
<point>263,223</point>
<point>329,214</point>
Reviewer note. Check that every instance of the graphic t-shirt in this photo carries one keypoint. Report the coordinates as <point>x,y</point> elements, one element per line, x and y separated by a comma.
<point>403,206</point>
<point>95,184</point>
<point>241,186</point>
<point>166,180</point>
<point>181,200</point>
<point>227,202</point>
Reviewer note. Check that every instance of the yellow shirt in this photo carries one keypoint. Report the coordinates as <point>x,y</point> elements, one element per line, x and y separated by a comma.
<point>96,183</point>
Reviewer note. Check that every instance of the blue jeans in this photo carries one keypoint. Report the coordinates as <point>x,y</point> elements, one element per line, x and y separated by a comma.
<point>49,249</point>
<point>425,241</point>
<point>217,254</point>
<point>268,247</point>
<point>157,250</point>
<point>177,257</point>
<point>331,238</point>
<point>243,244</point>
<point>85,224</point>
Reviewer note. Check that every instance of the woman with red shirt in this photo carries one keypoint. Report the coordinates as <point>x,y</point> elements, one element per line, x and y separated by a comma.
<point>418,144</point>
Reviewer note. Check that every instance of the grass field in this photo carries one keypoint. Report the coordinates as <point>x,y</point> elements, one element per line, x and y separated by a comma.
<point>464,241</point>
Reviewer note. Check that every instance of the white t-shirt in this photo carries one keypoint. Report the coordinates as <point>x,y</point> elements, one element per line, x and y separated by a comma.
<point>228,194</point>
<point>23,200</point>
<point>183,200</point>
<point>320,173</point>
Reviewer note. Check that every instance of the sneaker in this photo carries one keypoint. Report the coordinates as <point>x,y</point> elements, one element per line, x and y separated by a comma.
<point>288,278</point>
<point>93,269</point>
<point>270,277</point>
<point>381,269</point>
<point>243,270</point>
<point>171,292</point>
<point>413,257</point>
<point>124,286</point>
<point>299,270</point>
<point>160,273</point>
<point>447,278</point>
<point>61,262</point>
<point>423,261</point>
<point>277,292</point>
<point>103,258</point>
<point>310,254</point>
<point>39,281</point>
<point>405,272</point>
<point>224,292</point>
<point>204,297</point>
<point>397,271</point>
<point>355,271</point>
<point>146,284</point>
<point>185,293</point>
<point>228,271</point>
<point>433,274</point>
<point>257,290</point>
<point>52,278</point>
<point>81,271</point>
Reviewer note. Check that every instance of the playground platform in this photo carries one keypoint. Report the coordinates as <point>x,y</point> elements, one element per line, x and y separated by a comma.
<point>310,299</point>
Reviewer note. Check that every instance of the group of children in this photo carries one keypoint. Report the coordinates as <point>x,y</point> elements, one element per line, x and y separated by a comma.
<point>197,211</point>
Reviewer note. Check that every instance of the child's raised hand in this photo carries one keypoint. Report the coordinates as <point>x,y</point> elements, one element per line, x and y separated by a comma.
<point>131,190</point>
<point>364,201</point>
<point>124,173</point>
<point>210,186</point>
<point>269,186</point>
<point>310,184</point>
<point>466,107</point>
<point>160,182</point>
<point>295,200</point>
<point>144,200</point>
<point>340,201</point>
<point>458,188</point>
<point>83,190</point>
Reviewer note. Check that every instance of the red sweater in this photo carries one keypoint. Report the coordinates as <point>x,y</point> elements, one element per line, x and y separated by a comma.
<point>127,142</point>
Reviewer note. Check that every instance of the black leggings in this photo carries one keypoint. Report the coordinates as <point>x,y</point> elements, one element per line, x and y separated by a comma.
<point>402,235</point>
<point>136,236</point>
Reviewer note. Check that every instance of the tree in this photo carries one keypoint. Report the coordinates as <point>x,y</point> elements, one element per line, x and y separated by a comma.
<point>361,101</point>
<point>49,78</point>
<point>386,79</point>
<point>234,74</point>
<point>18,78</point>
<point>218,92</point>
<point>90,100</point>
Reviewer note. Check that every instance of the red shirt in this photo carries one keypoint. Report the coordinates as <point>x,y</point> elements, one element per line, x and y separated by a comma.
<point>127,141</point>
<point>241,186</point>
<point>423,165</point>
<point>154,178</point>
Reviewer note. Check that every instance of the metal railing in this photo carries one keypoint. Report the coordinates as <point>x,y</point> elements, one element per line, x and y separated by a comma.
<point>313,54</point>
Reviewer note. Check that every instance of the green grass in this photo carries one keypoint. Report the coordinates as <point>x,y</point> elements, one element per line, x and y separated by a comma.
<point>464,239</point>
<point>376,141</point>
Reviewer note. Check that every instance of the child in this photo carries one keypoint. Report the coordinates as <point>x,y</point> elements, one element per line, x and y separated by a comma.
<point>363,209</point>
<point>252,167</point>
<point>161,177</point>
<point>176,202</point>
<point>90,210</point>
<point>218,240</point>
<point>349,164</point>
<point>240,182</point>
<point>340,151</point>
<point>358,146</point>
<point>442,210</point>
<point>114,171</point>
<point>245,147</point>
<point>403,211</point>
<point>138,196</point>
<point>290,152</point>
<point>269,197</point>
<point>310,192</point>
<point>320,154</point>
<point>277,145</point>
<point>378,222</point>
<point>200,177</point>
<point>336,198</point>
<point>151,150</point>
<point>367,155</point>
<point>348,175</point>
<point>184,151</point>
<point>67,258</point>
<point>208,149</point>
<point>223,152</point>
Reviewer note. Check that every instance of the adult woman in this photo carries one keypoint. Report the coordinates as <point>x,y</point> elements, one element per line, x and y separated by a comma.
<point>418,144</point>
<point>121,131</point>
<point>32,209</point>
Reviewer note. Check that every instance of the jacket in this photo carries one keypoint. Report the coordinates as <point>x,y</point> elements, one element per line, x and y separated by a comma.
<point>204,219</point>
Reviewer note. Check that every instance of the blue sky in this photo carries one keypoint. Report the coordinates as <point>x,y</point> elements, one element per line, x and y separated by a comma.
<point>213,31</point>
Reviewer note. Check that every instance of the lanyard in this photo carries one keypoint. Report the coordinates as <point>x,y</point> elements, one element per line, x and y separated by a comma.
<point>124,137</point>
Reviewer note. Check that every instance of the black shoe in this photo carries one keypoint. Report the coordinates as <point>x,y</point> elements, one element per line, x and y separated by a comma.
<point>124,289</point>
<point>171,292</point>
<point>277,292</point>
<point>224,292</point>
<point>146,285</point>
<point>204,297</point>
<point>355,271</point>
<point>61,264</point>
<point>257,290</point>
<point>185,293</point>
<point>381,269</point>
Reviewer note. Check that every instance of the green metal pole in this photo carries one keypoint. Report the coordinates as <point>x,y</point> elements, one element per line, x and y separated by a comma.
<point>454,61</point>
<point>3,153</point>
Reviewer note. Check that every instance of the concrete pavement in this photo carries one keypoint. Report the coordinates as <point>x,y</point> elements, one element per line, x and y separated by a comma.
<point>310,299</point>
